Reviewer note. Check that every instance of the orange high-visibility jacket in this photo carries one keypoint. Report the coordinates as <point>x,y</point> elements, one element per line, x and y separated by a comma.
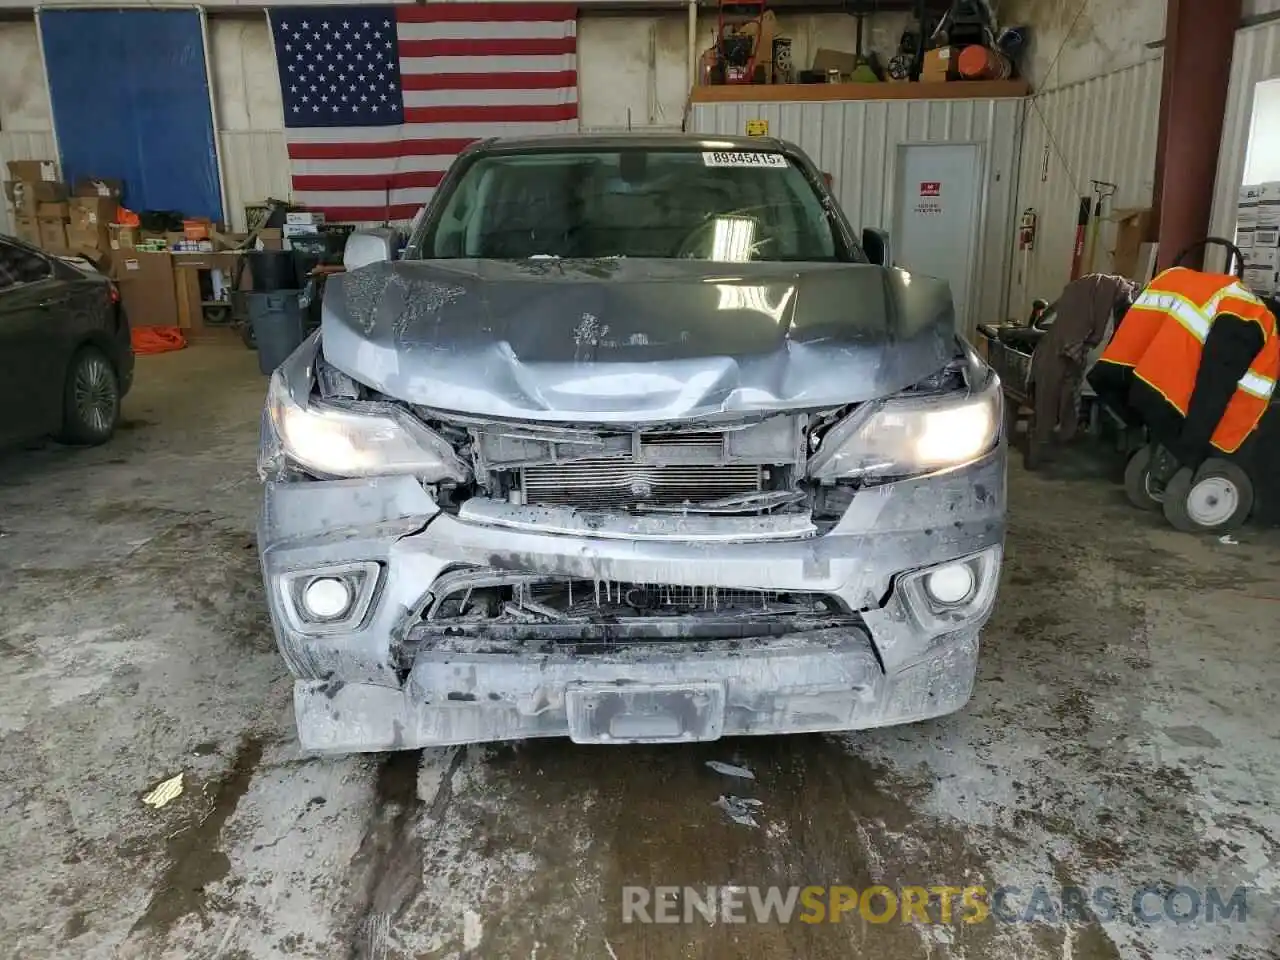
<point>1162,338</point>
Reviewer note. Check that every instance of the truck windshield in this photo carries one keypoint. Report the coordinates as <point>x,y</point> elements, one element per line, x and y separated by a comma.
<point>728,206</point>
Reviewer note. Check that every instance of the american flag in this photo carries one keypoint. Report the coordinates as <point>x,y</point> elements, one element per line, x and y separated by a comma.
<point>378,100</point>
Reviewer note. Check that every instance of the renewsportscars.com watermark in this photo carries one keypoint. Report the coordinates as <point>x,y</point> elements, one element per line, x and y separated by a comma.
<point>939,904</point>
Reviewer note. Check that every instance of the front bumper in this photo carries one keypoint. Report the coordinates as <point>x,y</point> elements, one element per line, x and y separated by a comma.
<point>356,689</point>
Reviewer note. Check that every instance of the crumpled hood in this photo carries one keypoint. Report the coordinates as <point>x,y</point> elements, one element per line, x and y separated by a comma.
<point>634,341</point>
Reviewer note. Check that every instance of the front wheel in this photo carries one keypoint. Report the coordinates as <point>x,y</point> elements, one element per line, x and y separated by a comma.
<point>91,399</point>
<point>1137,482</point>
<point>1214,499</point>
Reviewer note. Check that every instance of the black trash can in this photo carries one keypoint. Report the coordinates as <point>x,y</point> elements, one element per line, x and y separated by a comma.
<point>278,325</point>
<point>273,270</point>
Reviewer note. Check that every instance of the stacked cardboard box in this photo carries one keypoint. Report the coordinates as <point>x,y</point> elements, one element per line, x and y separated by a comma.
<point>93,209</point>
<point>39,204</point>
<point>1258,235</point>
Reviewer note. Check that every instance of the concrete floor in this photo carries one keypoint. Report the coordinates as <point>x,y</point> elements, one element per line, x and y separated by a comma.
<point>1124,732</point>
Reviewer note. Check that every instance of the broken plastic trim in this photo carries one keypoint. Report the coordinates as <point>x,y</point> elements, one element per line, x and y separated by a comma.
<point>504,606</point>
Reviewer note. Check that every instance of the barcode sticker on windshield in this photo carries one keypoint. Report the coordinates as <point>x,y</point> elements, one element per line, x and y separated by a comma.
<point>743,159</point>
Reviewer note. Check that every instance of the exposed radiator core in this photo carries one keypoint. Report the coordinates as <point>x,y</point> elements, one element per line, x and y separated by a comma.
<point>605,484</point>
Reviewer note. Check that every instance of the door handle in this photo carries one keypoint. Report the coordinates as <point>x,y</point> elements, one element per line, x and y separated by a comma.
<point>51,302</point>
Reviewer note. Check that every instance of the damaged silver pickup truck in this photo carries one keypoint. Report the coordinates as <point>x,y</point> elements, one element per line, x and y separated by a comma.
<point>635,442</point>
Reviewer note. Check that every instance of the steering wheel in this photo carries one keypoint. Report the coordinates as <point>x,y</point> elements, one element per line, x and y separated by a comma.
<point>1233,253</point>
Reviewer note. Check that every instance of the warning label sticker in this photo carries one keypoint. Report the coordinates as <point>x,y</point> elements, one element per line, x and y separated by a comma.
<point>743,159</point>
<point>930,188</point>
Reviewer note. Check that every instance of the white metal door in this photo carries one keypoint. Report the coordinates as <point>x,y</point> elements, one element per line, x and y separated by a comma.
<point>936,220</point>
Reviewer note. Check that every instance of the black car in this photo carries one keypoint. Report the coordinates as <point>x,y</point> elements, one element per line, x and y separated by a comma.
<point>65,355</point>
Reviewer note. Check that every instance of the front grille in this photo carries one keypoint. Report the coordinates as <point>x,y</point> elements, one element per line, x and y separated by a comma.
<point>489,594</point>
<point>500,607</point>
<point>604,484</point>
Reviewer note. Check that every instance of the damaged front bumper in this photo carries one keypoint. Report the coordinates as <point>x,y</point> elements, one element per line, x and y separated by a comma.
<point>393,673</point>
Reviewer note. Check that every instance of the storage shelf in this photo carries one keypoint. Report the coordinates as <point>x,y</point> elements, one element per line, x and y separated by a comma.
<point>821,92</point>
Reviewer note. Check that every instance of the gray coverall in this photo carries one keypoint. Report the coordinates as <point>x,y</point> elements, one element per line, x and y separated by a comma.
<point>1058,364</point>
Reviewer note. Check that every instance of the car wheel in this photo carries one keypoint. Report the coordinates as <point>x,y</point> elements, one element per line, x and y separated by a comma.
<point>1214,499</point>
<point>91,399</point>
<point>1137,482</point>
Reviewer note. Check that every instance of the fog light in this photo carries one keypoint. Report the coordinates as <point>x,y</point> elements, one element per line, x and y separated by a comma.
<point>326,598</point>
<point>950,584</point>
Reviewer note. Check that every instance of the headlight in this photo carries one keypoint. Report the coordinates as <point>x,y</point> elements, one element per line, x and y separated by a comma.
<point>343,443</point>
<point>907,436</point>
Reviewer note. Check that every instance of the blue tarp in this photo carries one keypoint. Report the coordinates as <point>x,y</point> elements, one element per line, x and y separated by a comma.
<point>130,100</point>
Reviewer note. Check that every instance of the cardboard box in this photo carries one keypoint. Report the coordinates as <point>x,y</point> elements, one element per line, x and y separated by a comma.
<point>122,237</point>
<point>939,64</point>
<point>825,60</point>
<point>32,170</point>
<point>227,241</point>
<point>53,234</point>
<point>196,228</point>
<point>89,213</point>
<point>28,229</point>
<point>1132,228</point>
<point>26,195</point>
<point>55,210</point>
<point>146,288</point>
<point>270,238</point>
<point>1265,237</point>
<point>97,238</point>
<point>312,217</point>
<point>99,187</point>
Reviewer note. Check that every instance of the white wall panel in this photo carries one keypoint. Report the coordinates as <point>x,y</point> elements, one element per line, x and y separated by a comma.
<point>244,73</point>
<point>250,117</point>
<point>1256,57</point>
<point>1076,40</point>
<point>24,96</point>
<point>256,166</point>
<point>26,123</point>
<point>857,143</point>
<point>632,70</point>
<point>1101,129</point>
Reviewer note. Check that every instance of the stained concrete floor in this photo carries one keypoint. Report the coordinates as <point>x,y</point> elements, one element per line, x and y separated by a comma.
<point>1124,732</point>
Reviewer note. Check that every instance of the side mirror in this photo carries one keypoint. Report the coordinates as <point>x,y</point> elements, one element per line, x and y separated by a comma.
<point>370,246</point>
<point>877,245</point>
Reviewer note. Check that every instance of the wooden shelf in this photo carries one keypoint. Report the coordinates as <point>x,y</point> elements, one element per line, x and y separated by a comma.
<point>825,92</point>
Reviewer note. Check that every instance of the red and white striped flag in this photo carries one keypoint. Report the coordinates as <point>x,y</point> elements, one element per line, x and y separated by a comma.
<point>378,100</point>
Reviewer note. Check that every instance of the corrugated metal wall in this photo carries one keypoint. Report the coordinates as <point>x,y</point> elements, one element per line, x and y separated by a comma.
<point>1256,57</point>
<point>1100,129</point>
<point>857,143</point>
